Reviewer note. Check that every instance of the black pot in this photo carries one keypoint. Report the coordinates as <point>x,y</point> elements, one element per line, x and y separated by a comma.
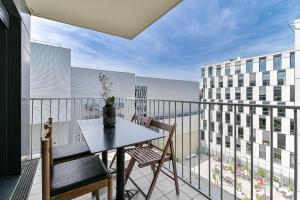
<point>109,116</point>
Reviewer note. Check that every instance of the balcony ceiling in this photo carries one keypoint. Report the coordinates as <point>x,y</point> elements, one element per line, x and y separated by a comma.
<point>124,18</point>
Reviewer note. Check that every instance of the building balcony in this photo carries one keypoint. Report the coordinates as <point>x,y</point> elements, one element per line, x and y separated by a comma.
<point>221,165</point>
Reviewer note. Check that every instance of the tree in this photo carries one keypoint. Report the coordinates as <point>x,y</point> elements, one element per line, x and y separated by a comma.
<point>261,173</point>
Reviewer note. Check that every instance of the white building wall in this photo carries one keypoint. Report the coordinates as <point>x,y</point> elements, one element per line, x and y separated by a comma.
<point>50,73</point>
<point>85,82</point>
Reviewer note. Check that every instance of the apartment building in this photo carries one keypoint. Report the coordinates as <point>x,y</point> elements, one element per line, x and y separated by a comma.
<point>265,79</point>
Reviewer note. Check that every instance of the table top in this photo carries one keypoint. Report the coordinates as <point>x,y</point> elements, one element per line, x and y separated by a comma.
<point>125,133</point>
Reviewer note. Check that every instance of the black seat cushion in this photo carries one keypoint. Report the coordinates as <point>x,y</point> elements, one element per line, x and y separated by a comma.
<point>69,151</point>
<point>76,173</point>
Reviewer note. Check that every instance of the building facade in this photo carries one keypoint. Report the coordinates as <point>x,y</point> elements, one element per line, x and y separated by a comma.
<point>266,79</point>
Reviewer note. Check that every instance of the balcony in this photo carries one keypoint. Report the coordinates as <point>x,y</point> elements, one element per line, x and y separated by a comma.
<point>224,168</point>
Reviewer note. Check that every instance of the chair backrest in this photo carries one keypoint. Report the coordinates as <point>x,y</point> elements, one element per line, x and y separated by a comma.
<point>46,162</point>
<point>48,124</point>
<point>171,129</point>
<point>144,121</point>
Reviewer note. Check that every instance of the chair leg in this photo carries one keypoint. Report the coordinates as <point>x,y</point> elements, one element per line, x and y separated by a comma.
<point>109,189</point>
<point>153,169</point>
<point>129,169</point>
<point>154,180</point>
<point>112,161</point>
<point>174,169</point>
<point>97,195</point>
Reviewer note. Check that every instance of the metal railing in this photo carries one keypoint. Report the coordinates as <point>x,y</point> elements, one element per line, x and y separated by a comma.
<point>227,166</point>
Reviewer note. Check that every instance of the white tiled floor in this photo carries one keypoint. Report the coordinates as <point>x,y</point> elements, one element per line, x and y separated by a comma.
<point>164,188</point>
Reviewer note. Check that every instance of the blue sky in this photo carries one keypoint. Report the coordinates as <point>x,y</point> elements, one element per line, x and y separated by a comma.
<point>195,33</point>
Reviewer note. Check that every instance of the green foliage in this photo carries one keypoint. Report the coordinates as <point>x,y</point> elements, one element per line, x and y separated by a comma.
<point>260,197</point>
<point>261,173</point>
<point>291,188</point>
<point>276,179</point>
<point>245,198</point>
<point>110,101</point>
<point>230,168</point>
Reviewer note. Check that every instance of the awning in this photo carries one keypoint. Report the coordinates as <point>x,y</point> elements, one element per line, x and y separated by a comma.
<point>124,18</point>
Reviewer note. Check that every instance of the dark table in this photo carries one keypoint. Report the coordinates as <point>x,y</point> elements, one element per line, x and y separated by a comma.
<point>126,133</point>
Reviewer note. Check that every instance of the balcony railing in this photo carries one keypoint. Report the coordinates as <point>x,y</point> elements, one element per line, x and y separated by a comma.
<point>234,164</point>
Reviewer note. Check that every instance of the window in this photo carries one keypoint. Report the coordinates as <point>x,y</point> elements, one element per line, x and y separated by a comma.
<point>240,80</point>
<point>292,160</point>
<point>212,82</point>
<point>281,111</point>
<point>281,77</point>
<point>248,121</point>
<point>262,122</point>
<point>281,141</point>
<point>204,83</point>
<point>227,117</point>
<point>218,139</point>
<point>227,69</point>
<point>262,152</point>
<point>238,145</point>
<point>229,130</point>
<point>238,93</point>
<point>238,67</point>
<point>277,124</point>
<point>218,93</point>
<point>266,78</point>
<point>292,127</point>
<point>202,135</point>
<point>203,72</point>
<point>227,141</point>
<point>277,93</point>
<point>277,156</point>
<point>252,79</point>
<point>240,108</point>
<point>210,71</point>
<point>218,72</point>
<point>249,66</point>
<point>249,93</point>
<point>229,81</point>
<point>220,81</point>
<point>240,133</point>
<point>227,93</point>
<point>204,124</point>
<point>277,62</point>
<point>265,111</point>
<point>210,93</point>
<point>238,119</point>
<point>248,148</point>
<point>262,93</point>
<point>292,93</point>
<point>292,60</point>
<point>262,64</point>
<point>212,126</point>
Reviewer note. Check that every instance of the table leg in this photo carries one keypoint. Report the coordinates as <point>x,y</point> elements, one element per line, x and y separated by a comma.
<point>120,174</point>
<point>104,158</point>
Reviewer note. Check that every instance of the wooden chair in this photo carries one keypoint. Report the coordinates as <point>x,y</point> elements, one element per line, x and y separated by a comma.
<point>143,121</point>
<point>74,178</point>
<point>67,152</point>
<point>151,156</point>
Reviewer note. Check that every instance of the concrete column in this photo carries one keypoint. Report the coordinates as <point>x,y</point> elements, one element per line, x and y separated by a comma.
<point>296,28</point>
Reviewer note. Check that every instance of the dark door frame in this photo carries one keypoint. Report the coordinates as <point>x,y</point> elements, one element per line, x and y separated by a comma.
<point>10,89</point>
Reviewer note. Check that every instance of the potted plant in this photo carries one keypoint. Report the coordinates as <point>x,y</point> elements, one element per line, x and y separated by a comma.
<point>109,110</point>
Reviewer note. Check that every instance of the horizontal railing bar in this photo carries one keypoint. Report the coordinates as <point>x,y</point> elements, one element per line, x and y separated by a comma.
<point>185,101</point>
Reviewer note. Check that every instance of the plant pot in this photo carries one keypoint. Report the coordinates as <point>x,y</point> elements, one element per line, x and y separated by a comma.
<point>109,116</point>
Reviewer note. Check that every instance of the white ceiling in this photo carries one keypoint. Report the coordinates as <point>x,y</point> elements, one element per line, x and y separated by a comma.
<point>124,18</point>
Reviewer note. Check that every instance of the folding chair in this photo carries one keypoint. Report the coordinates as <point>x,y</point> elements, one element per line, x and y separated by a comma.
<point>74,178</point>
<point>151,156</point>
<point>144,121</point>
<point>67,152</point>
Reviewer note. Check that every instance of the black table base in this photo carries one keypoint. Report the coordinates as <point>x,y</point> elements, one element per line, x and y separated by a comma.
<point>120,174</point>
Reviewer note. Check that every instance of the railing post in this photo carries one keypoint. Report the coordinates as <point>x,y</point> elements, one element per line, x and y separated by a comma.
<point>234,141</point>
<point>199,145</point>
<point>182,140</point>
<point>271,153</point>
<point>221,109</point>
<point>252,167</point>
<point>190,140</point>
<point>296,155</point>
<point>209,161</point>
